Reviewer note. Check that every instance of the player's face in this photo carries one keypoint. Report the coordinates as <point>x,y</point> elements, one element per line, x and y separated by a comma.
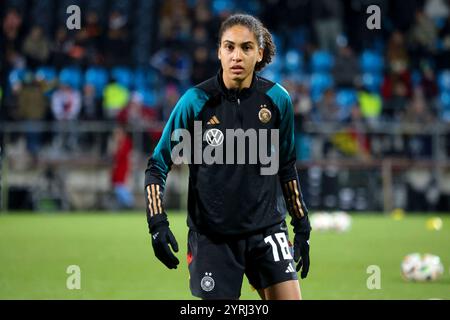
<point>238,53</point>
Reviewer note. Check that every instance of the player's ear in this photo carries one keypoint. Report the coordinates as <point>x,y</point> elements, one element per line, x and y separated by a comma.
<point>260,54</point>
<point>218,53</point>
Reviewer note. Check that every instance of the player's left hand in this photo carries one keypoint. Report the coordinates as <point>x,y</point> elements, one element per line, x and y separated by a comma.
<point>301,253</point>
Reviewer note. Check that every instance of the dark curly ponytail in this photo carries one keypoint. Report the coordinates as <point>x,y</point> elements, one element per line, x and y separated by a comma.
<point>262,35</point>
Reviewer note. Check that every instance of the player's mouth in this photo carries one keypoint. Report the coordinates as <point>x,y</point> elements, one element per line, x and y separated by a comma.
<point>237,69</point>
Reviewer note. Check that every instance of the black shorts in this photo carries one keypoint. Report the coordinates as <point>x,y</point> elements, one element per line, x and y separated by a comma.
<point>217,266</point>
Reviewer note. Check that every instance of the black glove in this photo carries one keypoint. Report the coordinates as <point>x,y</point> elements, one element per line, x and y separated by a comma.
<point>301,252</point>
<point>302,230</point>
<point>161,238</point>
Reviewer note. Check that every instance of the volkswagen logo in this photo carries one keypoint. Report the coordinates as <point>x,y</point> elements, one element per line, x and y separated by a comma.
<point>214,137</point>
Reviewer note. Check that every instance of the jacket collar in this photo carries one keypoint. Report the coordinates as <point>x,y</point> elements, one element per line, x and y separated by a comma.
<point>234,94</point>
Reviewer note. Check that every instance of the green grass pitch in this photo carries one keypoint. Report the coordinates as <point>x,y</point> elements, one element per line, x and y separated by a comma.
<point>116,259</point>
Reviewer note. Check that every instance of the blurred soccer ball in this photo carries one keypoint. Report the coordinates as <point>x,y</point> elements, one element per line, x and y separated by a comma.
<point>434,224</point>
<point>321,221</point>
<point>398,214</point>
<point>341,221</point>
<point>324,221</point>
<point>416,267</point>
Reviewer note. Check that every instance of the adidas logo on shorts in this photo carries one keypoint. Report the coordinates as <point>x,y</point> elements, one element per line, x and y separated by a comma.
<point>290,268</point>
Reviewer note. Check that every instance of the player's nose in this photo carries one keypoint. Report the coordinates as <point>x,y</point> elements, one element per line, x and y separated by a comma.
<point>237,55</point>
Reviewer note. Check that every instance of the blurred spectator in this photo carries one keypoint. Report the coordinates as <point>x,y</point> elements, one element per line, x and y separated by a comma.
<point>32,106</point>
<point>423,36</point>
<point>61,48</point>
<point>11,27</point>
<point>436,9</point>
<point>199,36</point>
<point>66,107</point>
<point>94,30</point>
<point>326,110</point>
<point>443,62</point>
<point>327,16</point>
<point>92,109</point>
<point>301,102</point>
<point>357,134</point>
<point>117,43</point>
<point>396,90</point>
<point>66,103</point>
<point>370,107</point>
<point>346,67</point>
<point>136,114</point>
<point>171,96</point>
<point>115,98</point>
<point>203,17</point>
<point>397,54</point>
<point>173,63</point>
<point>122,150</point>
<point>419,112</point>
<point>203,67</point>
<point>36,47</point>
<point>93,39</point>
<point>428,82</point>
<point>78,51</point>
<point>140,117</point>
<point>11,40</point>
<point>175,23</point>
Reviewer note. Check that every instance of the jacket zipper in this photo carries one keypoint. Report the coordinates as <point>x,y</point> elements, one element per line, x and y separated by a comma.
<point>239,111</point>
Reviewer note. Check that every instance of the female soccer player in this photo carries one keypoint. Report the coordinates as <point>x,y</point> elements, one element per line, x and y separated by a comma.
<point>236,208</point>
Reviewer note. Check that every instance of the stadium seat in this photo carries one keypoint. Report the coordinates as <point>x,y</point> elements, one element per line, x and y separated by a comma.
<point>319,83</point>
<point>293,61</point>
<point>371,62</point>
<point>145,78</point>
<point>71,76</point>
<point>98,78</point>
<point>16,76</point>
<point>299,37</point>
<point>446,115</point>
<point>444,80</point>
<point>272,74</point>
<point>278,44</point>
<point>277,64</point>
<point>416,77</point>
<point>274,70</point>
<point>45,73</point>
<point>321,61</point>
<point>303,145</point>
<point>444,112</point>
<point>444,99</point>
<point>346,99</point>
<point>219,6</point>
<point>123,75</point>
<point>372,81</point>
<point>149,97</point>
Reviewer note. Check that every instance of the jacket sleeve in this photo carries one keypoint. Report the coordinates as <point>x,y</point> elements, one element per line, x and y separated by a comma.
<point>160,163</point>
<point>287,173</point>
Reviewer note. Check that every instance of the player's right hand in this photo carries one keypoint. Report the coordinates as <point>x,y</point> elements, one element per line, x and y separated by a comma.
<point>162,237</point>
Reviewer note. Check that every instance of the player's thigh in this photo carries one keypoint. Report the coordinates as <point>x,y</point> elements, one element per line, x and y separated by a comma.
<point>287,290</point>
<point>269,258</point>
<point>215,268</point>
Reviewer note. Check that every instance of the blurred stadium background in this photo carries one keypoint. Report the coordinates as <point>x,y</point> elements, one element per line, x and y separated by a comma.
<point>372,112</point>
